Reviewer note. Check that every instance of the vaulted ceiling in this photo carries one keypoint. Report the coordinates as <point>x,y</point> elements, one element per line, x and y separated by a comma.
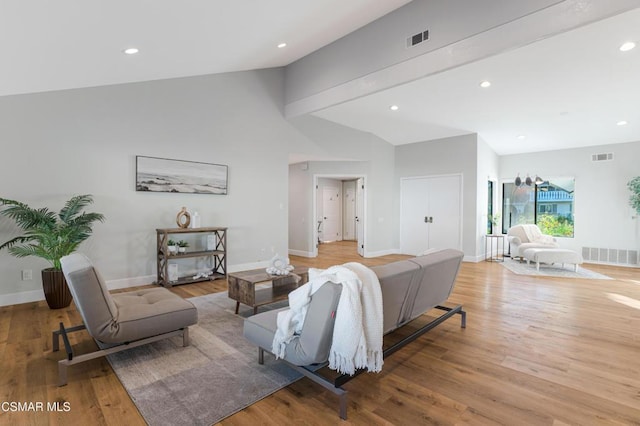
<point>572,89</point>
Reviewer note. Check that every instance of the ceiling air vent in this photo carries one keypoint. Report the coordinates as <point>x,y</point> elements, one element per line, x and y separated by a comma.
<point>416,39</point>
<point>607,156</point>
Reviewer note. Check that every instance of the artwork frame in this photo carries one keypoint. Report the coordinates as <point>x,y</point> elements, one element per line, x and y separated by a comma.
<point>155,174</point>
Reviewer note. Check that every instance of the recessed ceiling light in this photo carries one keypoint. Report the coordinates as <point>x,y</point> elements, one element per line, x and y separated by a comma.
<point>522,137</point>
<point>485,84</point>
<point>621,123</point>
<point>131,51</point>
<point>281,45</point>
<point>394,107</point>
<point>627,46</point>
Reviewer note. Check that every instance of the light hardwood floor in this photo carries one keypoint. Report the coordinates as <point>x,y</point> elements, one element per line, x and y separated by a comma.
<point>535,352</point>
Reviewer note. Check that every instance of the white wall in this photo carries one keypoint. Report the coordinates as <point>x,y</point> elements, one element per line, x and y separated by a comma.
<point>58,144</point>
<point>445,156</point>
<point>370,156</point>
<point>603,217</point>
<point>382,43</point>
<point>488,169</point>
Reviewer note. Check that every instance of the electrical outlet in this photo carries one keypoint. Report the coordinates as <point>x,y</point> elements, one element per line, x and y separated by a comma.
<point>27,275</point>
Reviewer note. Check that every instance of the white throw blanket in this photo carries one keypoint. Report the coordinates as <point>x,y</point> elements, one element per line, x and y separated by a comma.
<point>357,333</point>
<point>534,235</point>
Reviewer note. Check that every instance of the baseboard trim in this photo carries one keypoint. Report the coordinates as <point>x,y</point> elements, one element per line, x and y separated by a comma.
<point>381,253</point>
<point>473,259</point>
<point>301,253</point>
<point>130,282</point>
<point>248,266</point>
<point>21,297</point>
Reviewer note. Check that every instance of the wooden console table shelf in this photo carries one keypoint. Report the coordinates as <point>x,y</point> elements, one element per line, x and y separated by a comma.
<point>218,254</point>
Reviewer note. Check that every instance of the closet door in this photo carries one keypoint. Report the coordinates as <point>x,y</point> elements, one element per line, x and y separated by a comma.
<point>430,213</point>
<point>445,209</point>
<point>414,207</point>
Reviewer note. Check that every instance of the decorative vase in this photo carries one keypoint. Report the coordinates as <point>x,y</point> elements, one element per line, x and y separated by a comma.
<point>173,272</point>
<point>195,220</point>
<point>56,291</point>
<point>172,249</point>
<point>182,249</point>
<point>183,219</point>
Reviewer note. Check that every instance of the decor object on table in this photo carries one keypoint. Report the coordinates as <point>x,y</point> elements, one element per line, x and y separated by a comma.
<point>195,220</point>
<point>183,218</point>
<point>120,321</point>
<point>51,236</point>
<point>634,199</point>
<point>173,272</point>
<point>494,219</point>
<point>172,247</point>
<point>165,175</point>
<point>522,237</point>
<point>182,246</point>
<point>279,266</point>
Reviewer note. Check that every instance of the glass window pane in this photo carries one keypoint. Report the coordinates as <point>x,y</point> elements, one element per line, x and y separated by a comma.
<point>555,207</point>
<point>518,205</point>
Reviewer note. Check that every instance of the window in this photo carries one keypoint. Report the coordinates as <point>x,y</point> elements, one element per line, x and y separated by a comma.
<point>490,218</point>
<point>547,208</point>
<point>549,205</point>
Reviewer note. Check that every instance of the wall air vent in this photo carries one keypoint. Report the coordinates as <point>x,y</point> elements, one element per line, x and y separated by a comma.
<point>418,38</point>
<point>607,156</point>
<point>610,256</point>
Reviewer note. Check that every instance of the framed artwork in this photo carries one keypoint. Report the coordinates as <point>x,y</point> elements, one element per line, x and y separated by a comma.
<point>165,175</point>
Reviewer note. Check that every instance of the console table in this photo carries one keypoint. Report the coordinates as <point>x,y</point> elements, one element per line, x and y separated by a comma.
<point>242,286</point>
<point>217,252</point>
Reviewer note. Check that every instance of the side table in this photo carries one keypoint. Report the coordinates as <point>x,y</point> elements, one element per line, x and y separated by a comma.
<point>488,248</point>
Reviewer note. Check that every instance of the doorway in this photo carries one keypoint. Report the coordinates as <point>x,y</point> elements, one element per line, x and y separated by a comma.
<point>338,208</point>
<point>430,213</point>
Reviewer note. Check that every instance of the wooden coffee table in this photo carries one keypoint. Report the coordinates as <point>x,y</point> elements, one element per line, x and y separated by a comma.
<point>242,286</point>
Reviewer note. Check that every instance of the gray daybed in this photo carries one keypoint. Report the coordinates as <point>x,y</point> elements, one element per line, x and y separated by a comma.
<point>409,287</point>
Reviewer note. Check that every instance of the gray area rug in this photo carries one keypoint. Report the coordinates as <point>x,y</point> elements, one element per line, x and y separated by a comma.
<point>555,270</point>
<point>214,377</point>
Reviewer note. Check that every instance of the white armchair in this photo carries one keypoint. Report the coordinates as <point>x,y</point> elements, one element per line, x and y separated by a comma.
<point>523,237</point>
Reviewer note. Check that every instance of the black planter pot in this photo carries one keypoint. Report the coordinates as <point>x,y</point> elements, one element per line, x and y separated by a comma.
<point>55,288</point>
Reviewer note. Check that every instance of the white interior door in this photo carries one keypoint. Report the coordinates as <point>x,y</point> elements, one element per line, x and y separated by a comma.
<point>445,209</point>
<point>331,219</point>
<point>349,206</point>
<point>414,208</point>
<point>430,213</point>
<point>360,215</point>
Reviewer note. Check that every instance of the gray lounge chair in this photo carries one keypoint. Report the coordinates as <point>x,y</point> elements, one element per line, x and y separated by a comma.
<point>410,288</point>
<point>119,321</point>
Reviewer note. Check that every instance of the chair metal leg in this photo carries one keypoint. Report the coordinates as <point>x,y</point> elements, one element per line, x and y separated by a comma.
<point>185,337</point>
<point>62,373</point>
<point>343,405</point>
<point>260,356</point>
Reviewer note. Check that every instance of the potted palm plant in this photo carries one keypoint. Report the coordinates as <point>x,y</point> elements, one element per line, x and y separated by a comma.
<point>634,199</point>
<point>50,236</point>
